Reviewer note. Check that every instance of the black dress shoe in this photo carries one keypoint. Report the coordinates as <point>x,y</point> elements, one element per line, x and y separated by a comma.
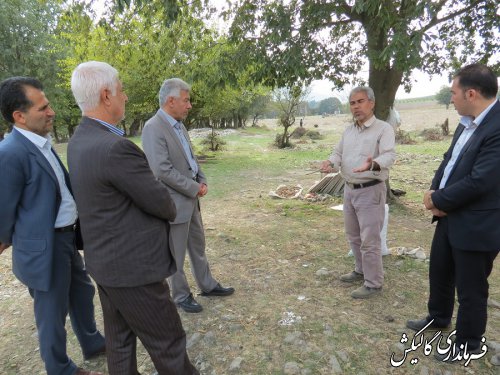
<point>219,290</point>
<point>418,324</point>
<point>190,305</point>
<point>97,353</point>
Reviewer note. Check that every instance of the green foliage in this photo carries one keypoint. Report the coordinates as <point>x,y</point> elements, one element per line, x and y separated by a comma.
<point>288,99</point>
<point>330,106</point>
<point>443,96</point>
<point>27,44</point>
<point>213,142</point>
<point>303,40</point>
<point>147,46</point>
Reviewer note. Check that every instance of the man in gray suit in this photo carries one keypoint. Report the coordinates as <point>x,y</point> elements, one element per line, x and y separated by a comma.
<point>168,149</point>
<point>124,214</point>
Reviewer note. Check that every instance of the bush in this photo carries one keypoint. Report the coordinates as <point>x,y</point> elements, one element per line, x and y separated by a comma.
<point>213,142</point>
<point>432,134</point>
<point>404,138</point>
<point>313,134</point>
<point>298,133</point>
<point>281,142</point>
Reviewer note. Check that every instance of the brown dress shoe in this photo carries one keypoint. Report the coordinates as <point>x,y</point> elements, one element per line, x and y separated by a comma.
<point>81,371</point>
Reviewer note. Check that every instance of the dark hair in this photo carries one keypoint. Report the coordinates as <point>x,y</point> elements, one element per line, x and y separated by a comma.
<point>13,95</point>
<point>478,77</point>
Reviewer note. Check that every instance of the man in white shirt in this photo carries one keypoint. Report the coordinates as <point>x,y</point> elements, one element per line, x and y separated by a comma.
<point>39,219</point>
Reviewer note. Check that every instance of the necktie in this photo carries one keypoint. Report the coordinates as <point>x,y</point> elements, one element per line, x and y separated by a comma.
<point>187,148</point>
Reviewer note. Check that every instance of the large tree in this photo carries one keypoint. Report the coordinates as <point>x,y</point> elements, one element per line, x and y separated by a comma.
<point>443,96</point>
<point>26,43</point>
<point>336,39</point>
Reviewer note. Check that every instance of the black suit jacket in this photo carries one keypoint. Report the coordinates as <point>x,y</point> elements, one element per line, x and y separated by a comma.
<point>124,210</point>
<point>471,197</point>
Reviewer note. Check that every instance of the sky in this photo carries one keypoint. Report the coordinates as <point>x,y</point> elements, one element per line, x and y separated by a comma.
<point>422,85</point>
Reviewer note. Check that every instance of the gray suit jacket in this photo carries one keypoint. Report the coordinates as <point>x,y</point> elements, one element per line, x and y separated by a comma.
<point>170,164</point>
<point>124,210</point>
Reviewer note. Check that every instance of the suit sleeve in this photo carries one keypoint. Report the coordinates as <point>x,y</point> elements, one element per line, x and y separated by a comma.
<point>129,172</point>
<point>158,155</point>
<point>11,187</point>
<point>483,177</point>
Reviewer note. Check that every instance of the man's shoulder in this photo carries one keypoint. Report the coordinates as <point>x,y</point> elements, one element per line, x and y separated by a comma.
<point>382,123</point>
<point>154,121</point>
<point>12,146</point>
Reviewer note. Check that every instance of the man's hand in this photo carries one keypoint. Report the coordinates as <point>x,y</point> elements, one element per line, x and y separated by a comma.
<point>430,205</point>
<point>3,246</point>
<point>203,190</point>
<point>438,213</point>
<point>326,167</point>
<point>428,200</point>
<point>365,166</point>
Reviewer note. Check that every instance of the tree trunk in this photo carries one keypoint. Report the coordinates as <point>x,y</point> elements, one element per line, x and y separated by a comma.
<point>385,84</point>
<point>134,127</point>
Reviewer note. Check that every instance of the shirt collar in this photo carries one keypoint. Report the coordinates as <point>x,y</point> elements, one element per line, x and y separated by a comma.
<point>37,140</point>
<point>112,128</point>
<point>367,123</point>
<point>172,121</point>
<point>468,121</point>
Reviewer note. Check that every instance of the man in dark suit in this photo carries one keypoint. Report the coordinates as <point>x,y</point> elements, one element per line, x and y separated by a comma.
<point>171,157</point>
<point>464,198</point>
<point>124,214</point>
<point>38,217</point>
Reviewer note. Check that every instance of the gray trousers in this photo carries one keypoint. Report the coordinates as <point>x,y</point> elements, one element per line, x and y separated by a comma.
<point>364,211</point>
<point>189,237</point>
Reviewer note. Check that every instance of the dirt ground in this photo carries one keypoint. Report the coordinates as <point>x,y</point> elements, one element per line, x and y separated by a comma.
<point>284,258</point>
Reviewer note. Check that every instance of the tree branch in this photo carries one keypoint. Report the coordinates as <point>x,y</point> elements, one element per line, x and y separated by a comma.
<point>436,21</point>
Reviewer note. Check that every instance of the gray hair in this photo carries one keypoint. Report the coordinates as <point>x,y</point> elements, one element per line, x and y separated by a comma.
<point>172,88</point>
<point>87,81</point>
<point>366,89</point>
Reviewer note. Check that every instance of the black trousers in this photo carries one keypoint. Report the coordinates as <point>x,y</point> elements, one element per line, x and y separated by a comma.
<point>466,271</point>
<point>148,313</point>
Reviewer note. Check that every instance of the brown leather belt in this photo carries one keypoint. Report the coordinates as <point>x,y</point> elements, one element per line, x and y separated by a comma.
<point>364,184</point>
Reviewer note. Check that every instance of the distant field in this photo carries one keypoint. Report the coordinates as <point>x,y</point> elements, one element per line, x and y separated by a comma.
<point>415,116</point>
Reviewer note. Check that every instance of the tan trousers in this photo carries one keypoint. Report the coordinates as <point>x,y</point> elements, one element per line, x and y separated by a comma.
<point>364,211</point>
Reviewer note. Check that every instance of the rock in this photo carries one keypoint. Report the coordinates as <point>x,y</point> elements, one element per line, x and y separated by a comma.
<point>235,327</point>
<point>420,254</point>
<point>424,371</point>
<point>235,364</point>
<point>342,355</point>
<point>335,365</point>
<point>292,337</point>
<point>495,360</point>
<point>328,330</point>
<point>389,318</point>
<point>193,340</point>
<point>209,338</point>
<point>493,303</point>
<point>291,368</point>
<point>322,272</point>
<point>493,346</point>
